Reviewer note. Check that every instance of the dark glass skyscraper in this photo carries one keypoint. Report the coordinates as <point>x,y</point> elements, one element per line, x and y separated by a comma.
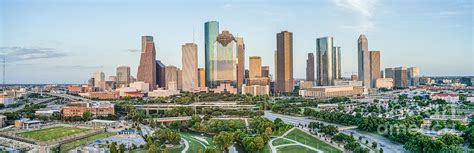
<point>211,30</point>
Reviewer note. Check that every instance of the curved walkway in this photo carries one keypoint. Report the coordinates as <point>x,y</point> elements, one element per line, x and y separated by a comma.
<point>274,148</point>
<point>186,145</point>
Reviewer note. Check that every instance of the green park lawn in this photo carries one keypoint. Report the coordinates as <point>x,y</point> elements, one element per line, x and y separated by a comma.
<point>71,145</point>
<point>309,140</point>
<point>280,141</point>
<point>195,144</point>
<point>294,148</point>
<point>51,133</point>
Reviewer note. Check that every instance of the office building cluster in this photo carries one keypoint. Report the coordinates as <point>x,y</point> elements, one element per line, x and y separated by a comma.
<point>225,70</point>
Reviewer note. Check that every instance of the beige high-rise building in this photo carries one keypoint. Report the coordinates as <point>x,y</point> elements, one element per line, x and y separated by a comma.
<point>171,77</point>
<point>284,62</point>
<point>255,67</point>
<point>190,66</point>
<point>374,67</point>
<point>123,76</point>
<point>240,61</point>
<point>180,79</point>
<point>99,76</point>
<point>201,77</point>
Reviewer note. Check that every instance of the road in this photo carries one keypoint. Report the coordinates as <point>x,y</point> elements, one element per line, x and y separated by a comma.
<point>387,145</point>
<point>35,101</point>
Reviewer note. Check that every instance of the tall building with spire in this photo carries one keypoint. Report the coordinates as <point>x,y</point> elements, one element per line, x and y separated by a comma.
<point>190,66</point>
<point>363,61</point>
<point>147,68</point>
<point>240,62</point>
<point>211,30</point>
<point>324,60</point>
<point>284,62</point>
<point>310,67</point>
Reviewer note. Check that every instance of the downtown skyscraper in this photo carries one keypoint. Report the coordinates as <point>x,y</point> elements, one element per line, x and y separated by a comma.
<point>147,68</point>
<point>123,76</point>
<point>336,62</point>
<point>324,59</point>
<point>374,67</point>
<point>310,67</point>
<point>364,61</point>
<point>224,60</point>
<point>284,62</point>
<point>240,62</point>
<point>190,66</point>
<point>211,30</point>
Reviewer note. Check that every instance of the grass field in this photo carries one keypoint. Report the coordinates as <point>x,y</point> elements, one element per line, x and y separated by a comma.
<point>196,144</point>
<point>309,140</point>
<point>51,133</point>
<point>296,148</point>
<point>71,145</point>
<point>280,141</point>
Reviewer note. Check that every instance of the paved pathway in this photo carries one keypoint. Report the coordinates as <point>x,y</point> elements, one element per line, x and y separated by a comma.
<point>186,145</point>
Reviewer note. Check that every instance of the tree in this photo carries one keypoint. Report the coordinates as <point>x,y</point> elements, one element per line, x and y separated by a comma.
<point>380,150</point>
<point>224,140</point>
<point>259,143</point>
<point>351,146</point>
<point>451,139</point>
<point>122,148</point>
<point>374,144</point>
<point>113,147</point>
<point>152,149</point>
<point>87,116</point>
<point>210,150</point>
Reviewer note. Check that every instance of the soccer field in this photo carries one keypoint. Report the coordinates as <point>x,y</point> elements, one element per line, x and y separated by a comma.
<point>51,133</point>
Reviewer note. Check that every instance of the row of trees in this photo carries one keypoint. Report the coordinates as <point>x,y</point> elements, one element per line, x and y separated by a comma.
<point>397,130</point>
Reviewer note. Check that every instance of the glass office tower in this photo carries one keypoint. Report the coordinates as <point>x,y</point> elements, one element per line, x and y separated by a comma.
<point>211,30</point>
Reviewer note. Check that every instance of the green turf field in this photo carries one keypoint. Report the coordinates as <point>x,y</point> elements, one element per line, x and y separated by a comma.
<point>51,133</point>
<point>281,141</point>
<point>309,140</point>
<point>295,148</point>
<point>71,145</point>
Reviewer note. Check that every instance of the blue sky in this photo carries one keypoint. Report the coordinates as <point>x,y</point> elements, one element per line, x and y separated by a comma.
<point>66,41</point>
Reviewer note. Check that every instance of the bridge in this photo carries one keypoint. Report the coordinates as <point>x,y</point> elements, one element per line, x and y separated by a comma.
<point>221,105</point>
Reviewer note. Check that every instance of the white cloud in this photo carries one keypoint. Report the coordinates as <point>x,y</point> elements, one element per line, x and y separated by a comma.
<point>364,11</point>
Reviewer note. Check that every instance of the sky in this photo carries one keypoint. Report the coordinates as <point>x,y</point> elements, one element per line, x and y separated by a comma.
<point>66,41</point>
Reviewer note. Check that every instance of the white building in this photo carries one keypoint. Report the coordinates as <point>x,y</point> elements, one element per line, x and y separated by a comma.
<point>450,98</point>
<point>7,100</point>
<point>124,90</point>
<point>160,92</point>
<point>347,83</point>
<point>140,86</point>
<point>384,83</point>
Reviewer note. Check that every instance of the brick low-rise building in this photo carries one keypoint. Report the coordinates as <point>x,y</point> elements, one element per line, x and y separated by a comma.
<point>105,95</point>
<point>96,108</point>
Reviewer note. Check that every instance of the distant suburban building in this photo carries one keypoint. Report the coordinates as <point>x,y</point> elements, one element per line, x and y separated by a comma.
<point>389,73</point>
<point>413,76</point>
<point>96,108</point>
<point>450,98</point>
<point>7,100</point>
<point>467,81</point>
<point>98,77</point>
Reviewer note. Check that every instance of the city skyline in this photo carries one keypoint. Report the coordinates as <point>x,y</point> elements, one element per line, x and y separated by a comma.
<point>57,52</point>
